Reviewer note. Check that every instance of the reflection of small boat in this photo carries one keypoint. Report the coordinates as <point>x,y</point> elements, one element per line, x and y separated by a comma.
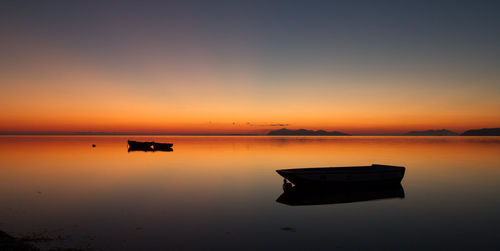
<point>169,149</point>
<point>140,149</point>
<point>343,176</point>
<point>301,196</point>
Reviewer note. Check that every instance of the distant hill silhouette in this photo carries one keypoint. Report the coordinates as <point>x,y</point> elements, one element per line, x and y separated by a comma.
<point>483,132</point>
<point>442,132</point>
<point>285,131</point>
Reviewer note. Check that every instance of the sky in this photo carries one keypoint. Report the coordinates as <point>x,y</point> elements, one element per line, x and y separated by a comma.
<point>361,67</point>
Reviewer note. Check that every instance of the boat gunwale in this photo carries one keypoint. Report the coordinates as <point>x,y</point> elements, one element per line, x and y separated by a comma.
<point>374,167</point>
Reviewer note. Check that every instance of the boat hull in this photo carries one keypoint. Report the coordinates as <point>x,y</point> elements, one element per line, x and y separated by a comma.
<point>344,176</point>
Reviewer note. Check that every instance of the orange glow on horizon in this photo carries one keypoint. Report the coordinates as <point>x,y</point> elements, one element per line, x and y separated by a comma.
<point>202,95</point>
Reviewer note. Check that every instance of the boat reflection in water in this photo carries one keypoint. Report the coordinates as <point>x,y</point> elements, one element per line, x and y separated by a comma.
<point>149,149</point>
<point>332,185</point>
<point>306,195</point>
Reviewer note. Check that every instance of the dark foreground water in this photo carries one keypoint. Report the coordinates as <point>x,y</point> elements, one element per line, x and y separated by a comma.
<point>221,192</point>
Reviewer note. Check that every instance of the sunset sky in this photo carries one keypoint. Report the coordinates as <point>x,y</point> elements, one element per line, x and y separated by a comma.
<point>370,67</point>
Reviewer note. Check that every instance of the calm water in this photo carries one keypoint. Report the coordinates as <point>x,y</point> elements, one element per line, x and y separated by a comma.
<point>220,193</point>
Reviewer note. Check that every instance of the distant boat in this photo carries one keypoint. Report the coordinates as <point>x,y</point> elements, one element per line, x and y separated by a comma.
<point>149,146</point>
<point>162,146</point>
<point>344,176</point>
<point>138,144</point>
<point>302,196</point>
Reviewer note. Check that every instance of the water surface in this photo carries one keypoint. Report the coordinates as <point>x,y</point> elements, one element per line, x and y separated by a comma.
<point>220,193</point>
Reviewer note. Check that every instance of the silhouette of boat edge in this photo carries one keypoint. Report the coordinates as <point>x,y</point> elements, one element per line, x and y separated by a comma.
<point>149,146</point>
<point>344,176</point>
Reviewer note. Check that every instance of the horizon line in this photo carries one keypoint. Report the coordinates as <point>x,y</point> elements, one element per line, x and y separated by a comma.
<point>97,133</point>
<point>191,134</point>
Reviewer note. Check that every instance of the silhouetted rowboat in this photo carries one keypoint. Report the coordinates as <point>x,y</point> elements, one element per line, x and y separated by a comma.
<point>162,146</point>
<point>344,176</point>
<point>149,146</point>
<point>138,144</point>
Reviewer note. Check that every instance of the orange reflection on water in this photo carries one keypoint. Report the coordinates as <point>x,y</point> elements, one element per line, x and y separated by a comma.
<point>66,161</point>
<point>59,180</point>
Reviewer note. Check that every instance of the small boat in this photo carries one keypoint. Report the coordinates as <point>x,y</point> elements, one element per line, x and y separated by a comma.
<point>149,146</point>
<point>162,146</point>
<point>344,176</point>
<point>138,144</point>
<point>303,196</point>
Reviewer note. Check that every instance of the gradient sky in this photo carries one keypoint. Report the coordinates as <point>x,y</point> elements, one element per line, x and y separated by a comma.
<point>249,66</point>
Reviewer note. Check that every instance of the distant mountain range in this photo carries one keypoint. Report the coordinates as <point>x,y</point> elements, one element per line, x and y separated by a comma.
<point>285,131</point>
<point>442,132</point>
<point>482,132</point>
